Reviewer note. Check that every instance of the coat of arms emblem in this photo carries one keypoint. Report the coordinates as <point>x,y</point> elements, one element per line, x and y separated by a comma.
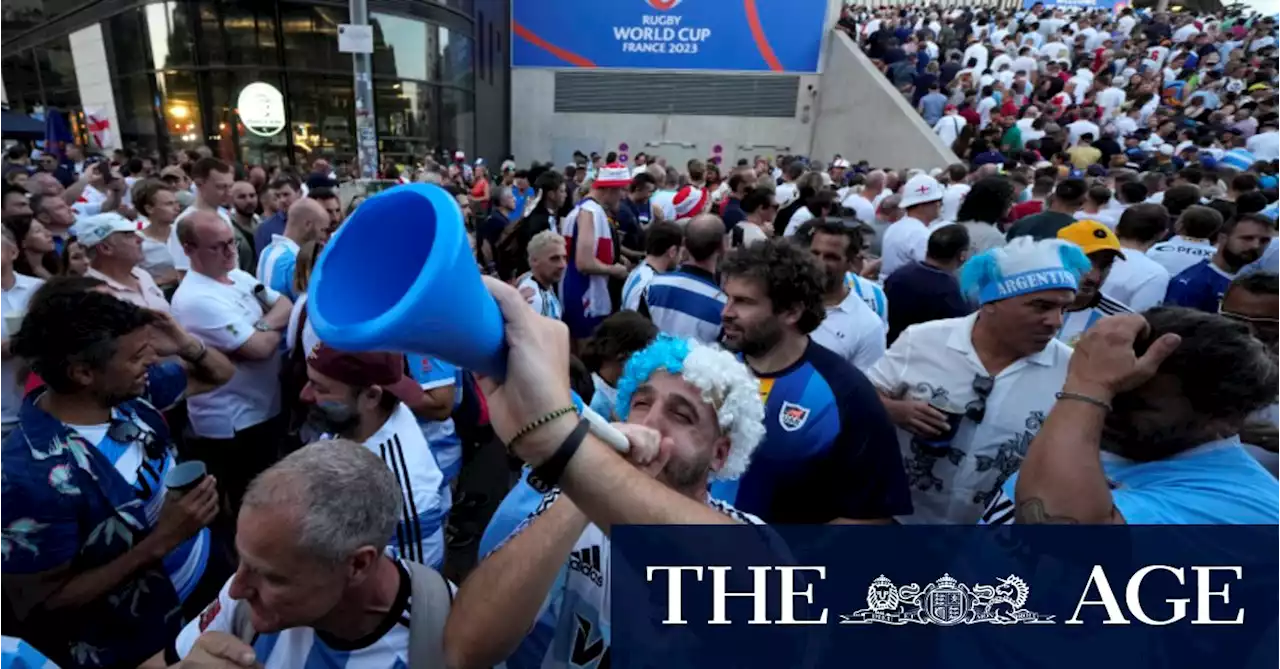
<point>947,602</point>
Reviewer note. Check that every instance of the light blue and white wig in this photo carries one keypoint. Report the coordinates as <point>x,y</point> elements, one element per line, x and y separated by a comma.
<point>724,382</point>
<point>1023,266</point>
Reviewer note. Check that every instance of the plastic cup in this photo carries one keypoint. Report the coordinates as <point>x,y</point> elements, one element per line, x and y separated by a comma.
<point>185,476</point>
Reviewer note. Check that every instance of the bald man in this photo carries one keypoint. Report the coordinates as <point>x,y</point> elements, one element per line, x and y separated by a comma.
<point>688,301</point>
<point>244,218</point>
<point>863,203</point>
<point>307,221</point>
<point>237,427</point>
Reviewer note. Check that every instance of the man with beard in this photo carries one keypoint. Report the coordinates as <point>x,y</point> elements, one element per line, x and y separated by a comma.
<point>1103,248</point>
<point>829,454</point>
<point>547,261</point>
<point>244,218</point>
<point>89,536</point>
<point>1145,430</point>
<point>523,603</point>
<point>362,397</point>
<point>1240,241</point>
<point>968,394</point>
<point>851,329</point>
<point>1254,300</point>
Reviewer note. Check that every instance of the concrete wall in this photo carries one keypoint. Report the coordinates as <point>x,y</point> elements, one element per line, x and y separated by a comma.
<point>539,133</point>
<point>862,117</point>
<point>93,79</point>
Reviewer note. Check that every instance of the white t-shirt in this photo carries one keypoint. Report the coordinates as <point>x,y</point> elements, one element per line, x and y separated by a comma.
<point>180,259</point>
<point>786,193</point>
<point>904,242</point>
<point>853,331</point>
<point>952,480</point>
<point>1110,100</point>
<point>1137,281</point>
<point>14,307</point>
<point>1185,33</point>
<point>1055,51</point>
<point>665,200</point>
<point>1180,253</point>
<point>1265,145</point>
<point>977,52</point>
<point>1077,129</point>
<point>156,257</point>
<point>952,198</point>
<point>799,218</point>
<point>948,128</point>
<point>861,206</point>
<point>223,317</point>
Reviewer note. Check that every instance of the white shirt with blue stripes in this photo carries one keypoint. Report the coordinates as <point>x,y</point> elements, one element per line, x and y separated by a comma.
<point>276,264</point>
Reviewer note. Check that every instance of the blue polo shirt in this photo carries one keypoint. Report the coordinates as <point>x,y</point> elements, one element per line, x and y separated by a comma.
<point>64,501</point>
<point>1200,286</point>
<point>829,449</point>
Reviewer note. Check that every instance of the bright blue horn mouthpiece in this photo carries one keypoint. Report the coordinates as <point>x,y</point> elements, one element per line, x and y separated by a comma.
<point>399,275</point>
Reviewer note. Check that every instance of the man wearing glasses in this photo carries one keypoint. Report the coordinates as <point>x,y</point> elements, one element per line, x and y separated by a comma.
<point>969,394</point>
<point>237,427</point>
<point>1254,300</point>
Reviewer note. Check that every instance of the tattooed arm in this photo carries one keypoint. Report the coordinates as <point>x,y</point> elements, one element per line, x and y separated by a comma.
<point>1061,482</point>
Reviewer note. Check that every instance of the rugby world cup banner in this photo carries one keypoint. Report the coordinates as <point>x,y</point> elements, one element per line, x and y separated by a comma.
<point>736,35</point>
<point>914,596</point>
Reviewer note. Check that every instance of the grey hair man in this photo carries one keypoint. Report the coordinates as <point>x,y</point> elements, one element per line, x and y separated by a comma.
<point>313,570</point>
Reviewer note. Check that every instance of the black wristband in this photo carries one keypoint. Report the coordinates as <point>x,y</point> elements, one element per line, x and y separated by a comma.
<point>547,475</point>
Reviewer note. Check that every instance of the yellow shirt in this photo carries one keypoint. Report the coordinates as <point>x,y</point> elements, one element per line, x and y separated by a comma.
<point>1084,156</point>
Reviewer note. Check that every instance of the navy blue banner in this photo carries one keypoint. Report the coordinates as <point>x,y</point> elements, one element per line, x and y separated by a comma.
<point>1016,597</point>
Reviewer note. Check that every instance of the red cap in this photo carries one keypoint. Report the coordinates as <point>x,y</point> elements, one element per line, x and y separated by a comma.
<point>362,370</point>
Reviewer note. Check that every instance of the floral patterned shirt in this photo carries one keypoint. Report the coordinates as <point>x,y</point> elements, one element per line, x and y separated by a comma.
<point>64,505</point>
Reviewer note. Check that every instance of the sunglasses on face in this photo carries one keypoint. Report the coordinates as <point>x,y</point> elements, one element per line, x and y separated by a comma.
<point>1256,324</point>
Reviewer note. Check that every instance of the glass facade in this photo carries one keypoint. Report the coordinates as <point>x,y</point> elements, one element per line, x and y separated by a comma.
<point>178,68</point>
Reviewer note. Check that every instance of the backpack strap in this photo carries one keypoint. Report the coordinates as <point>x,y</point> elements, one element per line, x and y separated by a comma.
<point>432,600</point>
<point>737,236</point>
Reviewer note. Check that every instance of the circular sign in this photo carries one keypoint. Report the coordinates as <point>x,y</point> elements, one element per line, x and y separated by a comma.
<point>261,108</point>
<point>624,158</point>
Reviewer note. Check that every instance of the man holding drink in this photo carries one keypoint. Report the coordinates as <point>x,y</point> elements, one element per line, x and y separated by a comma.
<point>969,394</point>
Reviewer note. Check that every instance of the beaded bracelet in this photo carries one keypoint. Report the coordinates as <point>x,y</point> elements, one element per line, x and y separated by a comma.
<point>539,422</point>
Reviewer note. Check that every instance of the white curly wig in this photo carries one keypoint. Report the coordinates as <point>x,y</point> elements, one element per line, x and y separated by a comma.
<point>725,383</point>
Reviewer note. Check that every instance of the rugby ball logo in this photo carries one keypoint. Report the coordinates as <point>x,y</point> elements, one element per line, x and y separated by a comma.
<point>663,5</point>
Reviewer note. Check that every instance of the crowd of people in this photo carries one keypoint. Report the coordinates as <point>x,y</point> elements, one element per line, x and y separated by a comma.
<point>1052,331</point>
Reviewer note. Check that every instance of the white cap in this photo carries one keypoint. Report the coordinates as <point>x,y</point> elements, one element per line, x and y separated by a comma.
<point>840,162</point>
<point>93,230</point>
<point>920,189</point>
<point>1166,149</point>
<point>459,155</point>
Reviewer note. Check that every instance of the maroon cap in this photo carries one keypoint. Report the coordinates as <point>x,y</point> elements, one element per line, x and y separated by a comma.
<point>363,370</point>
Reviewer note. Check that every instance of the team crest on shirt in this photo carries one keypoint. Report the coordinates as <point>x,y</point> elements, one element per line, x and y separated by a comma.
<point>209,613</point>
<point>792,416</point>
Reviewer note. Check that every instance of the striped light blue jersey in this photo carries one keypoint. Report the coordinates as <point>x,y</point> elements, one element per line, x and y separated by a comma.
<point>1240,158</point>
<point>871,293</point>
<point>276,263</point>
<point>685,303</point>
<point>542,300</point>
<point>637,281</point>
<point>442,438</point>
<point>402,446</point>
<point>304,646</point>
<point>573,627</point>
<point>145,472</point>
